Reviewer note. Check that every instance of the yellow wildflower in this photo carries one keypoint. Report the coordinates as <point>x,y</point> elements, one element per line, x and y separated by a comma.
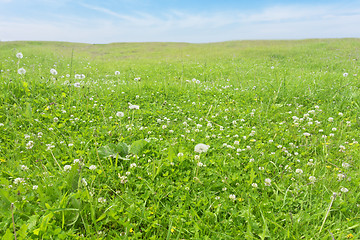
<point>349,236</point>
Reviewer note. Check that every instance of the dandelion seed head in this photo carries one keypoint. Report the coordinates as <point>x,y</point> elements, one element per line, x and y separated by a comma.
<point>53,71</point>
<point>120,114</point>
<point>201,148</point>
<point>312,179</point>
<point>21,71</point>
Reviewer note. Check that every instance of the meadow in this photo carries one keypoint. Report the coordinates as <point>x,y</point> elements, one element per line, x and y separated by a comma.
<point>231,140</point>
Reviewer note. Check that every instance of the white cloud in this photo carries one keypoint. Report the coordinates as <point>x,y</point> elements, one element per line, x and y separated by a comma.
<point>277,22</point>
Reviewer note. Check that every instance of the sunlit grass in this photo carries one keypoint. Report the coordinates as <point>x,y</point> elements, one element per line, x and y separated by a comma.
<point>108,147</point>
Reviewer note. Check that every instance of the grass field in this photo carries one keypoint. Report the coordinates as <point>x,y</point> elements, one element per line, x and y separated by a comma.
<point>231,140</point>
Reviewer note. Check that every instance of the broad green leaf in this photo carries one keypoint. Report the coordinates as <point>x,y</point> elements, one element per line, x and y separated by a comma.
<point>45,221</point>
<point>138,146</point>
<point>5,201</point>
<point>8,235</point>
<point>73,178</point>
<point>113,149</point>
<point>32,221</point>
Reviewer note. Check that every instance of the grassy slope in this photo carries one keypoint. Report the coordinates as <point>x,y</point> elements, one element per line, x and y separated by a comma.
<point>306,73</point>
<point>177,51</point>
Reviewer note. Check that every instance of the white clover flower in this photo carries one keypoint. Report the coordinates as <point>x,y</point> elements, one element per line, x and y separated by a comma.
<point>345,165</point>
<point>24,168</point>
<point>299,171</point>
<point>127,173</point>
<point>197,157</point>
<point>101,200</point>
<point>344,190</point>
<point>345,74</point>
<point>117,72</point>
<point>19,55</point>
<point>35,187</point>
<point>19,180</point>
<point>76,161</point>
<point>77,84</point>
<point>200,164</point>
<point>120,114</point>
<point>49,147</point>
<point>55,119</point>
<point>132,165</point>
<point>254,185</point>
<point>21,71</point>
<point>340,176</point>
<point>200,148</point>
<point>307,134</point>
<point>267,182</point>
<point>312,179</point>
<point>180,154</point>
<point>92,167</point>
<point>84,182</point>
<point>232,197</point>
<point>131,106</point>
<point>330,119</point>
<point>123,179</point>
<point>67,168</point>
<point>53,71</point>
<point>30,145</point>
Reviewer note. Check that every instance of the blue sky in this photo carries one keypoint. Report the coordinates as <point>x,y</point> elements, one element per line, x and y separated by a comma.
<point>176,20</point>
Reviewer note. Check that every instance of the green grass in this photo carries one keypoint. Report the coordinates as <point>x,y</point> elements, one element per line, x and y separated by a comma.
<point>78,163</point>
